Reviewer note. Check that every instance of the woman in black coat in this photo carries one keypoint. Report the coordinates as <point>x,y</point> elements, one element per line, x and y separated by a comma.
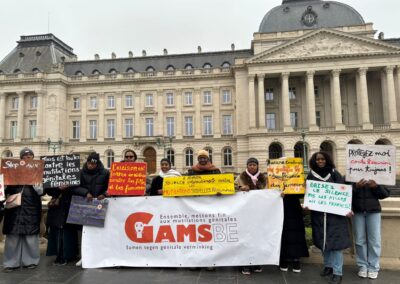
<point>330,231</point>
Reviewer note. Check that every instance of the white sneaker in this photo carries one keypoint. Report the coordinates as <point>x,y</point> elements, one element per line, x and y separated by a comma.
<point>79,263</point>
<point>372,274</point>
<point>362,273</point>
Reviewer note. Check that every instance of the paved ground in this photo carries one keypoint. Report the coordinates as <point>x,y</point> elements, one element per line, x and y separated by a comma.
<point>49,274</point>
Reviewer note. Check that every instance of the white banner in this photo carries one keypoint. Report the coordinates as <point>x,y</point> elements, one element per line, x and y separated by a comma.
<point>377,162</point>
<point>243,229</point>
<point>328,197</point>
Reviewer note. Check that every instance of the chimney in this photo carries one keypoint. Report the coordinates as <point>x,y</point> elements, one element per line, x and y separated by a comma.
<point>199,49</point>
<point>130,54</point>
<point>96,57</point>
<point>113,55</point>
<point>233,47</point>
<point>165,51</point>
<point>144,52</point>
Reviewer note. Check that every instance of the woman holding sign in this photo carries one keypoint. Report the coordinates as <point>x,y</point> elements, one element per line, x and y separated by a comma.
<point>330,231</point>
<point>166,171</point>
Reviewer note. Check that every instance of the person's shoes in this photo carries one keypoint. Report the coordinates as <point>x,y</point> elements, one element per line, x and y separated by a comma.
<point>9,269</point>
<point>326,271</point>
<point>31,266</point>
<point>257,269</point>
<point>79,263</point>
<point>283,265</point>
<point>296,266</point>
<point>246,270</point>
<point>335,279</point>
<point>372,274</point>
<point>362,273</point>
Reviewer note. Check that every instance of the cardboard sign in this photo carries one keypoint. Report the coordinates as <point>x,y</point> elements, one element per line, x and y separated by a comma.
<point>328,197</point>
<point>199,185</point>
<point>20,172</point>
<point>2,194</point>
<point>127,178</point>
<point>377,162</point>
<point>286,174</point>
<point>88,213</point>
<point>61,170</point>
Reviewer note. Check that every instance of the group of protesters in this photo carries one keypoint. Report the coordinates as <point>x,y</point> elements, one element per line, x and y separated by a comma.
<point>330,232</point>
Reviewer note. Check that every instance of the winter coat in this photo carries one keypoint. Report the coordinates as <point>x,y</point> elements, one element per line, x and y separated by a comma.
<point>366,199</point>
<point>156,184</point>
<point>337,235</point>
<point>94,181</point>
<point>244,179</point>
<point>24,219</point>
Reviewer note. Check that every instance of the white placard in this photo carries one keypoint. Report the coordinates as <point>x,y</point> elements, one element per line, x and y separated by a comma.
<point>377,162</point>
<point>2,194</point>
<point>328,197</point>
<point>243,229</point>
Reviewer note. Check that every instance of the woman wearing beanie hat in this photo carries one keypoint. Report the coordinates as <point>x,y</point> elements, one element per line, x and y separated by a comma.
<point>251,179</point>
<point>204,165</point>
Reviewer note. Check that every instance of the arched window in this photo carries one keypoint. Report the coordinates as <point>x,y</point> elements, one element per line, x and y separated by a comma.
<point>113,71</point>
<point>275,151</point>
<point>110,158</point>
<point>35,70</point>
<point>171,156</point>
<point>150,69</point>
<point>96,72</point>
<point>299,151</point>
<point>170,68</point>
<point>355,141</point>
<point>226,64</point>
<point>328,147</point>
<point>1,72</point>
<point>78,73</point>
<point>130,70</point>
<point>207,66</point>
<point>228,157</point>
<point>188,66</point>
<point>210,153</point>
<point>17,71</point>
<point>383,142</point>
<point>188,157</point>
<point>7,154</point>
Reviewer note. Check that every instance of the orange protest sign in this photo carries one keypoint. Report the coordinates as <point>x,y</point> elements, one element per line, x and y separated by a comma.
<point>286,174</point>
<point>20,172</point>
<point>127,179</point>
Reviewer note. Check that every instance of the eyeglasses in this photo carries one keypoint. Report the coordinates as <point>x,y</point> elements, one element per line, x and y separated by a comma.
<point>130,157</point>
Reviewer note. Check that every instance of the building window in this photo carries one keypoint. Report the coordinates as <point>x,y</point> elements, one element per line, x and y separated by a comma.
<point>188,157</point>
<point>269,94</point>
<point>228,157</point>
<point>293,119</point>
<point>316,92</point>
<point>207,66</point>
<point>13,129</point>
<point>275,151</point>
<point>128,101</point>
<point>188,66</point>
<point>149,127</point>
<point>7,154</point>
<point>188,125</point>
<point>207,98</point>
<point>110,128</point>
<point>171,156</point>
<point>226,65</point>
<point>226,97</point>
<point>76,129</point>
<point>128,127</point>
<point>343,116</point>
<point>14,103</point>
<point>270,121</point>
<point>149,100</point>
<point>227,124</point>
<point>188,98</point>
<point>110,158</point>
<point>210,153</point>
<point>34,102</point>
<point>32,129</point>
<point>150,69</point>
<point>170,126</point>
<point>292,93</point>
<point>92,129</point>
<point>76,103</point>
<point>207,125</point>
<point>110,102</point>
<point>93,102</point>
<point>318,118</point>
<point>170,99</point>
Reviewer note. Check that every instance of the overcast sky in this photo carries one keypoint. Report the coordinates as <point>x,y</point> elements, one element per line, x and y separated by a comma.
<point>105,26</point>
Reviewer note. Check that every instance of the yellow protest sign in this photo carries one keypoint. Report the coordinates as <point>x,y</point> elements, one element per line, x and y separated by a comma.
<point>198,185</point>
<point>286,174</point>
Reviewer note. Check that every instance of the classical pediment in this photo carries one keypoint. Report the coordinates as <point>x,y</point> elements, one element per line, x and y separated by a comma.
<point>324,43</point>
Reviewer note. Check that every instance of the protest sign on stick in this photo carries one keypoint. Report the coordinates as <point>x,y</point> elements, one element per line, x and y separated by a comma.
<point>61,170</point>
<point>371,162</point>
<point>17,172</point>
<point>328,197</point>
<point>286,174</point>
<point>127,179</point>
<point>199,185</point>
<point>88,213</point>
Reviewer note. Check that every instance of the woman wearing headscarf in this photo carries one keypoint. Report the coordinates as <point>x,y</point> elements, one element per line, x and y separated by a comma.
<point>165,171</point>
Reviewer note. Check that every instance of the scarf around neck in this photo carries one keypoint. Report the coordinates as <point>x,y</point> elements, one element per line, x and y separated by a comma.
<point>170,173</point>
<point>201,168</point>
<point>254,178</point>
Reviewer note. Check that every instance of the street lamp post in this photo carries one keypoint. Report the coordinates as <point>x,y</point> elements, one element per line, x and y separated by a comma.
<point>164,142</point>
<point>305,164</point>
<point>54,145</point>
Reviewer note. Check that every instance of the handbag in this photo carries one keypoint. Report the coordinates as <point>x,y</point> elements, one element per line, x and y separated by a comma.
<point>14,200</point>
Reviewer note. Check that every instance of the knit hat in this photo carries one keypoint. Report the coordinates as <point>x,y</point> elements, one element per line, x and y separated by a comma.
<point>93,158</point>
<point>252,160</point>
<point>25,151</point>
<point>203,153</point>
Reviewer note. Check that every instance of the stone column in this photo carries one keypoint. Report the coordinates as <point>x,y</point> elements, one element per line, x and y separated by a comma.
<point>197,119</point>
<point>362,73</point>
<point>336,100</point>
<point>285,103</point>
<point>39,116</point>
<point>161,122</point>
<point>119,122</point>
<point>178,119</point>
<point>391,98</point>
<point>312,122</point>
<point>137,125</point>
<point>261,101</point>
<point>3,127</point>
<point>398,91</point>
<point>84,127</point>
<point>21,110</point>
<point>217,114</point>
<point>252,103</point>
<point>100,136</point>
<point>359,106</point>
